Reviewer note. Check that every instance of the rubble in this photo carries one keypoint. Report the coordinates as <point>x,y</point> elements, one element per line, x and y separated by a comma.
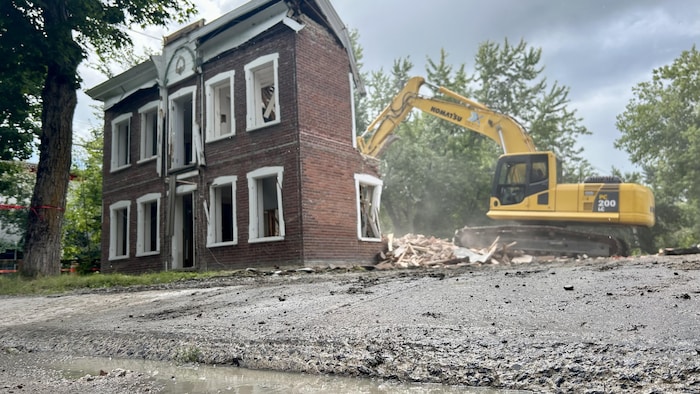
<point>695,249</point>
<point>416,250</point>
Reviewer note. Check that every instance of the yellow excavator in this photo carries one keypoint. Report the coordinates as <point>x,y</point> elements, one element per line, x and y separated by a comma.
<point>527,184</point>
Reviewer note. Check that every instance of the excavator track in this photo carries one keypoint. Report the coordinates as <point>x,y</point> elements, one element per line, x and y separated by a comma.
<point>543,240</point>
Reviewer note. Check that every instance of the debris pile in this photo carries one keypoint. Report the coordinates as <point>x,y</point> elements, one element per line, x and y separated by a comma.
<point>695,249</point>
<point>416,250</point>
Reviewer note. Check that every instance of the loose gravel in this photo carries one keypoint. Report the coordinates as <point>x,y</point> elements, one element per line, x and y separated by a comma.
<point>575,326</point>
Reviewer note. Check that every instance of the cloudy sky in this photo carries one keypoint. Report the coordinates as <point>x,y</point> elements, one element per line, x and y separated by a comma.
<point>600,49</point>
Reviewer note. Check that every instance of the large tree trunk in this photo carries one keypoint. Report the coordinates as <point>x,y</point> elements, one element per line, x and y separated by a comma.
<point>42,250</point>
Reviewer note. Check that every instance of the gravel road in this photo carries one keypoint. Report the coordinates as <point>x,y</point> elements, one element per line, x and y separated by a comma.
<point>588,326</point>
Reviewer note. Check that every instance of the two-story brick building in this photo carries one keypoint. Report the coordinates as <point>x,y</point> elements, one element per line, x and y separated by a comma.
<point>235,147</point>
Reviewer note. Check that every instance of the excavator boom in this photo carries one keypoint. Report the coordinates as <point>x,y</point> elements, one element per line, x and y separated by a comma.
<point>502,129</point>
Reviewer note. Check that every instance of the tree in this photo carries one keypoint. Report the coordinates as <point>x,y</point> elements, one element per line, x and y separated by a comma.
<point>49,39</point>
<point>82,221</point>
<point>661,131</point>
<point>16,179</point>
<point>508,79</point>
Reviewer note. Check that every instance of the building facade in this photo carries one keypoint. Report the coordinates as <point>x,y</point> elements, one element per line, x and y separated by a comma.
<point>234,148</point>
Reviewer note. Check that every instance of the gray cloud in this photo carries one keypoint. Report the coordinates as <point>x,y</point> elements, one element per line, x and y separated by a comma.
<point>598,48</point>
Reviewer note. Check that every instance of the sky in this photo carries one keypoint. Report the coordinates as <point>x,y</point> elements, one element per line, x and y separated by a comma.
<point>599,49</point>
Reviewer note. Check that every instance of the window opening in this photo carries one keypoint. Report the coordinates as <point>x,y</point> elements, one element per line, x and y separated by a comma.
<point>119,230</point>
<point>222,224</point>
<point>270,206</point>
<point>182,125</point>
<point>148,234</point>
<point>266,217</point>
<point>149,130</point>
<point>368,189</point>
<point>121,141</point>
<point>262,92</point>
<point>183,237</point>
<point>220,115</point>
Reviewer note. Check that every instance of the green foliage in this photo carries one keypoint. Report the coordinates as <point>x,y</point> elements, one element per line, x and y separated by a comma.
<point>188,354</point>
<point>83,216</point>
<point>20,86</point>
<point>17,285</point>
<point>508,79</point>
<point>661,131</point>
<point>16,180</point>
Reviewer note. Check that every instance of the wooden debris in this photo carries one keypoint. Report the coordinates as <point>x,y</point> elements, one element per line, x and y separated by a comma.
<point>415,250</point>
<point>695,249</point>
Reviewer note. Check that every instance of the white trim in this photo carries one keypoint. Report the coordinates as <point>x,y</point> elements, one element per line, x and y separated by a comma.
<point>292,24</point>
<point>175,241</point>
<point>184,189</point>
<point>212,215</point>
<point>113,223</point>
<point>172,143</point>
<point>114,155</point>
<point>254,116</point>
<point>256,220</point>
<point>140,216</point>
<point>153,105</point>
<point>366,179</point>
<point>211,88</point>
<point>353,130</point>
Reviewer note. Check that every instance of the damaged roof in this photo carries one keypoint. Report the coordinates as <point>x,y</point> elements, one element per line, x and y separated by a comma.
<point>249,19</point>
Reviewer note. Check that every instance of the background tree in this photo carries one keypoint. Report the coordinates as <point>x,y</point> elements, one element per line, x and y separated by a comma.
<point>50,39</point>
<point>661,131</point>
<point>438,175</point>
<point>509,80</point>
<point>83,218</point>
<point>16,179</point>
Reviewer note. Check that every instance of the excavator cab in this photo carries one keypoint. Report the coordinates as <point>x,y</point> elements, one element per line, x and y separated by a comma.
<point>519,176</point>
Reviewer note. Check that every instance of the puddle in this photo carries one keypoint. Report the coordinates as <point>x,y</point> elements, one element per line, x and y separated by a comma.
<point>179,379</point>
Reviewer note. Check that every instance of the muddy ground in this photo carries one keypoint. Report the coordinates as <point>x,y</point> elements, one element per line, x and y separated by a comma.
<point>596,326</point>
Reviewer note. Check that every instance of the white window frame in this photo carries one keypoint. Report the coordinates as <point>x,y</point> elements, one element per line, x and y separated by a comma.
<point>115,229</point>
<point>149,139</point>
<point>376,183</point>
<point>214,225</point>
<point>353,136</point>
<point>254,72</point>
<point>176,246</point>
<point>175,117</point>
<point>141,221</point>
<point>214,106</point>
<point>255,204</point>
<point>117,148</point>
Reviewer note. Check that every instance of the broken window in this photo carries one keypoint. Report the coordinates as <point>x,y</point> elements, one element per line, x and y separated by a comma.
<point>182,134</point>
<point>369,191</point>
<point>220,119</point>
<point>222,212</point>
<point>119,230</point>
<point>262,93</point>
<point>266,218</point>
<point>148,224</point>
<point>149,130</point>
<point>121,140</point>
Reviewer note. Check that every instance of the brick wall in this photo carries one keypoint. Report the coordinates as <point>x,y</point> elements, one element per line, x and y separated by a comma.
<point>129,184</point>
<point>329,161</point>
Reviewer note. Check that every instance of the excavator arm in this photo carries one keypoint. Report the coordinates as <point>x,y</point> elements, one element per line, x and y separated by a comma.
<point>501,128</point>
